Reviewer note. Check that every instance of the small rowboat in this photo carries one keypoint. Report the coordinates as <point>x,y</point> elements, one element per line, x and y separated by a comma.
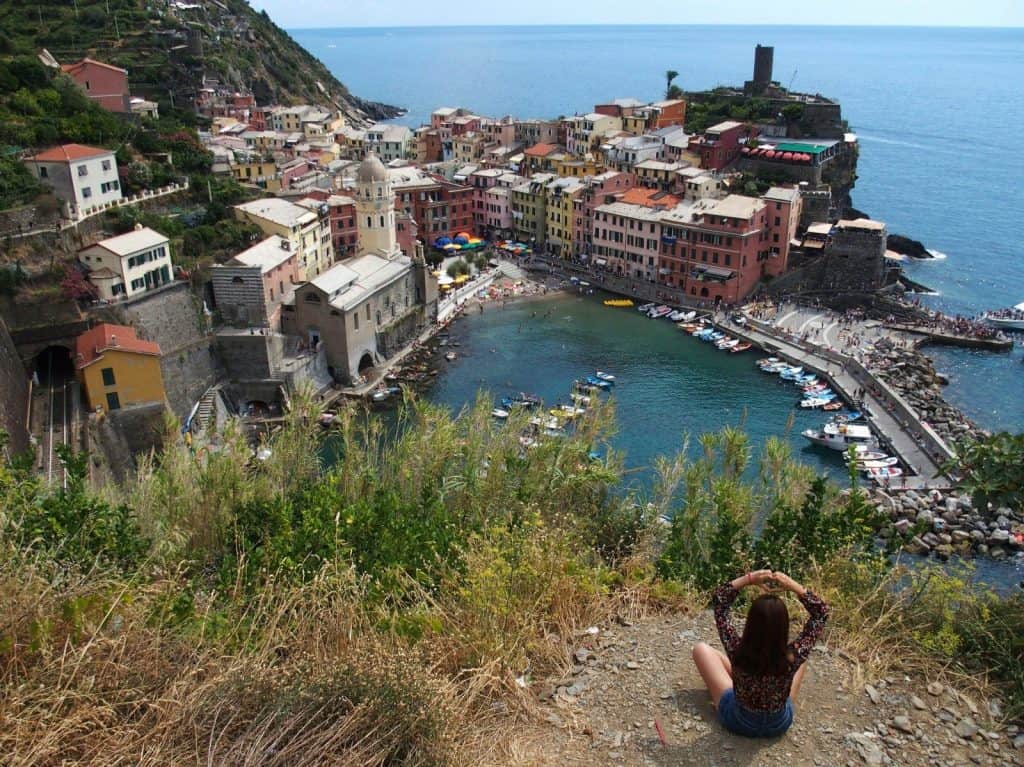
<point>885,473</point>
<point>499,413</point>
<point>599,383</point>
<point>741,347</point>
<point>881,463</point>
<point>645,308</point>
<point>833,405</point>
<point>450,356</point>
<point>865,453</point>
<point>605,376</point>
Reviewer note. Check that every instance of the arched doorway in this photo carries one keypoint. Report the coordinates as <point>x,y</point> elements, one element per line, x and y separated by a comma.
<point>53,366</point>
<point>365,362</point>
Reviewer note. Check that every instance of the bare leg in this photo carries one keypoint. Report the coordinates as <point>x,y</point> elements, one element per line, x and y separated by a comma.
<point>797,679</point>
<point>714,668</point>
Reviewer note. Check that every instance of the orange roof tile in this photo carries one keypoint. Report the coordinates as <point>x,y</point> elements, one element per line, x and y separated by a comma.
<point>540,150</point>
<point>90,346</point>
<point>69,153</point>
<point>651,198</point>
<point>87,60</point>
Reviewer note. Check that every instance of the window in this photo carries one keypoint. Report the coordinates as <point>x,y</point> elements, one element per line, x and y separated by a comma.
<point>113,402</point>
<point>312,298</point>
<point>86,191</point>
<point>43,172</point>
<point>108,376</point>
<point>367,312</point>
<point>83,170</point>
<point>355,320</point>
<point>106,165</point>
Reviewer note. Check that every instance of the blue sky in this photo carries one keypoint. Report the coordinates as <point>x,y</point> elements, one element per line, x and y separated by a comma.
<point>403,13</point>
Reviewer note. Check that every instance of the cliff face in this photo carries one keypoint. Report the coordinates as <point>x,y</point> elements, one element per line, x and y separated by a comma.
<point>172,49</point>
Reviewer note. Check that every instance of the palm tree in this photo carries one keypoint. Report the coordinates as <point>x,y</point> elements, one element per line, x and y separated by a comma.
<point>670,75</point>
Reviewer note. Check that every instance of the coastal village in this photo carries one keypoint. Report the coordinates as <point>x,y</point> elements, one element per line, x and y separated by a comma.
<point>255,252</point>
<point>365,239</point>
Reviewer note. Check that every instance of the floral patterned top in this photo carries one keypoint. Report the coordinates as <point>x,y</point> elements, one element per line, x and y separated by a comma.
<point>766,693</point>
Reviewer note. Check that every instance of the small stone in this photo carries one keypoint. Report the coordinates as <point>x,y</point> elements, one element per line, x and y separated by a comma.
<point>872,693</point>
<point>966,728</point>
<point>917,703</point>
<point>903,724</point>
<point>632,665</point>
<point>1018,742</point>
<point>935,688</point>
<point>582,655</point>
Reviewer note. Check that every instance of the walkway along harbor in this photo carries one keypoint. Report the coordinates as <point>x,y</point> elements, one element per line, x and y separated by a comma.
<point>899,427</point>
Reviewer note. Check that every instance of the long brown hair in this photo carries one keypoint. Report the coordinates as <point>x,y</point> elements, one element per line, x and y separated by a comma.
<point>764,647</point>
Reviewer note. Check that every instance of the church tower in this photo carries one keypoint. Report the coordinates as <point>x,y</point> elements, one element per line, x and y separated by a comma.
<point>375,209</point>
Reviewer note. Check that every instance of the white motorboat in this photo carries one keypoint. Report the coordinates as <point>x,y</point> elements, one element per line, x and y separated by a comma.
<point>885,463</point>
<point>688,316</point>
<point>727,343</point>
<point>645,308</point>
<point>814,403</point>
<point>659,311</point>
<point>677,315</point>
<point>1011,319</point>
<point>499,413</point>
<point>840,436</point>
<point>865,453</point>
<point>605,376</point>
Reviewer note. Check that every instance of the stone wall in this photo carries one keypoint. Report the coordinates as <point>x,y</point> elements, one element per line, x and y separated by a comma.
<point>250,356</point>
<point>173,317</point>
<point>14,393</point>
<point>126,434</point>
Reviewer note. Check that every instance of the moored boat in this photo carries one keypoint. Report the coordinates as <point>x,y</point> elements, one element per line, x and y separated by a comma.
<point>741,347</point>
<point>881,463</point>
<point>840,436</point>
<point>645,308</point>
<point>727,343</point>
<point>659,311</point>
<point>450,356</point>
<point>605,376</point>
<point>499,413</point>
<point>885,473</point>
<point>599,383</point>
<point>1010,319</point>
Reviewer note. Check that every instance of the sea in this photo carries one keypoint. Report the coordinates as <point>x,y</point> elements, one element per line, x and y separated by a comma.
<point>937,112</point>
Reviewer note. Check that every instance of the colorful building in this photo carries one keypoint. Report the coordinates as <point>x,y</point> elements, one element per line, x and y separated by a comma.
<point>116,368</point>
<point>105,84</point>
<point>529,208</point>
<point>83,178</point>
<point>251,287</point>
<point>440,208</point>
<point>129,264</point>
<point>720,144</point>
<point>597,190</point>
<point>561,195</point>
<point>308,231</point>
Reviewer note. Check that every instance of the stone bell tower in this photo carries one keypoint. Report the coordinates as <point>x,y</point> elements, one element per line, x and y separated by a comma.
<point>375,209</point>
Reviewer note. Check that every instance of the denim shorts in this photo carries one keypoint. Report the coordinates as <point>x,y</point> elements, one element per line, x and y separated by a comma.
<point>753,724</point>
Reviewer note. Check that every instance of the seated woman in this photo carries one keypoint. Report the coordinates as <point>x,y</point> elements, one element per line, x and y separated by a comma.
<point>753,684</point>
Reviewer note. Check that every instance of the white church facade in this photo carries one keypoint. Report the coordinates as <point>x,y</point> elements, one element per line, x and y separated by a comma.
<point>362,311</point>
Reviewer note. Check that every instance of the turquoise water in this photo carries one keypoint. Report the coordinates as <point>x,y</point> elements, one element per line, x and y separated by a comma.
<point>937,111</point>
<point>669,385</point>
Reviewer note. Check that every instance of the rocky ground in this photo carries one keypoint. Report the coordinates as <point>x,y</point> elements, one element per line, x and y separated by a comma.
<point>913,375</point>
<point>633,697</point>
<point>948,523</point>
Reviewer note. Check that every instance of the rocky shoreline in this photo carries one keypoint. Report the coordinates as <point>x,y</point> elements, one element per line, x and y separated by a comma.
<point>912,374</point>
<point>945,524</point>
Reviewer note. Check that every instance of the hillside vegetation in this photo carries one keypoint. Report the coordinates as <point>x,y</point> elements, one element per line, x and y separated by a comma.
<point>393,608</point>
<point>168,51</point>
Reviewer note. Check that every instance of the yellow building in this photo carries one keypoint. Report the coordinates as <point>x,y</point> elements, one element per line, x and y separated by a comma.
<point>578,168</point>
<point>529,208</point>
<point>116,368</point>
<point>308,230</point>
<point>260,173</point>
<point>560,194</point>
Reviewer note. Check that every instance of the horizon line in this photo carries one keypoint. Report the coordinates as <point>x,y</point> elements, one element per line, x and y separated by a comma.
<point>658,24</point>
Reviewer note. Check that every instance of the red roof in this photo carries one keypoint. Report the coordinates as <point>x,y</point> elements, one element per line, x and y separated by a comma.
<point>650,198</point>
<point>90,346</point>
<point>69,153</point>
<point>87,60</point>
<point>540,150</point>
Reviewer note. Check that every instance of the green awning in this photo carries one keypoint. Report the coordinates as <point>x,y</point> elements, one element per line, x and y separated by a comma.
<point>805,148</point>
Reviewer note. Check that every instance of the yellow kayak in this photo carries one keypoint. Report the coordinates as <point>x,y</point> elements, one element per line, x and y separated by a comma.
<point>618,302</point>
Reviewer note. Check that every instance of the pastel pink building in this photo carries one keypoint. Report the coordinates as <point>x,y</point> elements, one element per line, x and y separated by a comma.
<point>492,201</point>
<point>105,84</point>
<point>597,190</point>
<point>714,250</point>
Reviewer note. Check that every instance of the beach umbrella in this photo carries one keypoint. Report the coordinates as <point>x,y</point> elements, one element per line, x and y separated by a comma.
<point>467,235</point>
<point>475,240</point>
<point>450,246</point>
<point>460,240</point>
<point>453,246</point>
<point>440,242</point>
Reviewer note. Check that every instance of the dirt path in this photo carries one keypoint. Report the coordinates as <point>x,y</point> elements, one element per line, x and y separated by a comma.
<point>627,678</point>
